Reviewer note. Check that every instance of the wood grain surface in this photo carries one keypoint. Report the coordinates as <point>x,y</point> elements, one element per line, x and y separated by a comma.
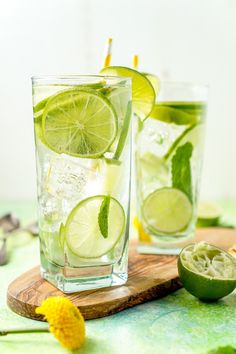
<point>150,277</point>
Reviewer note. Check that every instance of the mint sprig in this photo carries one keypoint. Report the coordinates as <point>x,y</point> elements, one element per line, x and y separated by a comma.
<point>181,169</point>
<point>103,216</point>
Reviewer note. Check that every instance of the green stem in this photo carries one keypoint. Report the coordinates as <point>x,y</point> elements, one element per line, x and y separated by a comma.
<point>23,330</point>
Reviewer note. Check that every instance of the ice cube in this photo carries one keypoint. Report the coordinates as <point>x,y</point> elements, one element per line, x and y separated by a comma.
<point>66,178</point>
<point>50,212</point>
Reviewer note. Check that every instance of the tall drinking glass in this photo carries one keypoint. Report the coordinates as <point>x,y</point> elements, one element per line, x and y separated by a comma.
<point>168,155</point>
<point>82,137</point>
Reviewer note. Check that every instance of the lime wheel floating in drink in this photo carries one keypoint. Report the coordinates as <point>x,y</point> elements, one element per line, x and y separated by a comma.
<point>82,231</point>
<point>167,211</point>
<point>80,123</point>
<point>207,272</point>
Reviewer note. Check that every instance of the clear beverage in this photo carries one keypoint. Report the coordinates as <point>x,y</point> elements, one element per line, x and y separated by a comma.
<point>82,137</point>
<point>168,156</point>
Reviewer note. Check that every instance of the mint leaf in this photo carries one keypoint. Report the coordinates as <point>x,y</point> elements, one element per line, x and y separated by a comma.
<point>181,169</point>
<point>103,216</point>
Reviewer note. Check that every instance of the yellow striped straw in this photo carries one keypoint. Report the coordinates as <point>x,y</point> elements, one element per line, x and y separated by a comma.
<point>135,61</point>
<point>107,54</point>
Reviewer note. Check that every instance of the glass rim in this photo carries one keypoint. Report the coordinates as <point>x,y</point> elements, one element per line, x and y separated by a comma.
<point>40,78</point>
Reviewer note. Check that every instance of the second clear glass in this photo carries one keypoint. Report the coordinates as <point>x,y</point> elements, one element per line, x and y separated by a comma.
<point>168,159</point>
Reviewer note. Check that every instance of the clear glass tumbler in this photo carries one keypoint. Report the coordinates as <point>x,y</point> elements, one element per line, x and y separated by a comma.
<point>168,159</point>
<point>82,138</point>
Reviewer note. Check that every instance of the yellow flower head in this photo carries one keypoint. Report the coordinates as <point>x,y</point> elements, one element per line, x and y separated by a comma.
<point>65,321</point>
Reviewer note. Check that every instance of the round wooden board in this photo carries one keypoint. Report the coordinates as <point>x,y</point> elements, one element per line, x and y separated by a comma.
<point>150,277</point>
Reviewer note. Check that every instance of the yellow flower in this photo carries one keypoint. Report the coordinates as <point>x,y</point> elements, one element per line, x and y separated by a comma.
<point>65,321</point>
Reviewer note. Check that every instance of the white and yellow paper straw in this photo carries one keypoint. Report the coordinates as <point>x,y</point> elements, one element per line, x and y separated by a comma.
<point>107,54</point>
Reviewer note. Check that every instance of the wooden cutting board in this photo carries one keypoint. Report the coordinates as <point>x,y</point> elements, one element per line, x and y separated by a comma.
<point>150,277</point>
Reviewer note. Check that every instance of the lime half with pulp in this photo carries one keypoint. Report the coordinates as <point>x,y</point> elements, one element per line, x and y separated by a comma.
<point>143,93</point>
<point>79,123</point>
<point>207,272</point>
<point>167,211</point>
<point>82,232</point>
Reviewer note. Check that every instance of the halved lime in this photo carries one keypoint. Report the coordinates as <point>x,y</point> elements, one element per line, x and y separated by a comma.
<point>82,232</point>
<point>143,93</point>
<point>192,134</point>
<point>167,211</point>
<point>207,272</point>
<point>79,123</point>
<point>208,214</point>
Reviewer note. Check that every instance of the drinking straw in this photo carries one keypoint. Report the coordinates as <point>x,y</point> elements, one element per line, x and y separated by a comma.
<point>135,61</point>
<point>107,53</point>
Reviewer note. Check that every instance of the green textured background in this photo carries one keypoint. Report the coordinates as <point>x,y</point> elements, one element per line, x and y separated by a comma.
<point>178,323</point>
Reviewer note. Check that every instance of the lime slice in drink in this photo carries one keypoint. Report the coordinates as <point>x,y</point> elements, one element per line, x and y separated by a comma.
<point>192,134</point>
<point>79,123</point>
<point>38,110</point>
<point>167,211</point>
<point>208,214</point>
<point>168,114</point>
<point>82,232</point>
<point>121,101</point>
<point>207,272</point>
<point>143,93</point>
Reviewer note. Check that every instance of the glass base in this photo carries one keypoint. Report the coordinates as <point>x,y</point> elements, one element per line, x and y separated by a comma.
<point>165,245</point>
<point>70,280</point>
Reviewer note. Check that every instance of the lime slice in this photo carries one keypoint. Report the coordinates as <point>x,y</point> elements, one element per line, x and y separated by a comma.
<point>38,110</point>
<point>168,114</point>
<point>143,93</point>
<point>193,134</point>
<point>120,100</point>
<point>167,210</point>
<point>82,232</point>
<point>208,214</point>
<point>39,107</point>
<point>79,123</point>
<point>155,81</point>
<point>207,272</point>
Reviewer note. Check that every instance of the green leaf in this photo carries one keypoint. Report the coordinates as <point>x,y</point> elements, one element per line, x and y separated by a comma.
<point>181,169</point>
<point>228,349</point>
<point>103,216</point>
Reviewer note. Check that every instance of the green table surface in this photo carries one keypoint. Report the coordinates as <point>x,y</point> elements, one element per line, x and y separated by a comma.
<point>178,323</point>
